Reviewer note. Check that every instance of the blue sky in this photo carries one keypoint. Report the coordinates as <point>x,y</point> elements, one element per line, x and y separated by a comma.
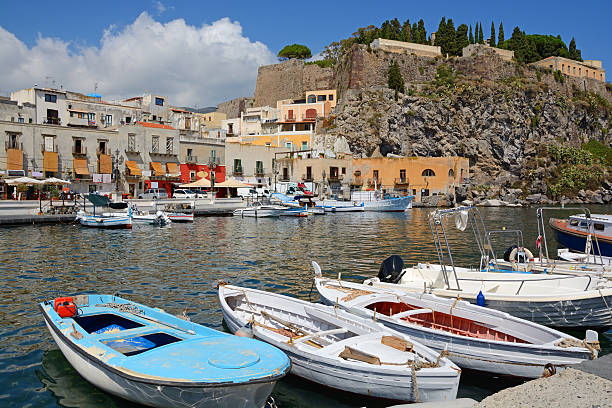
<point>261,29</point>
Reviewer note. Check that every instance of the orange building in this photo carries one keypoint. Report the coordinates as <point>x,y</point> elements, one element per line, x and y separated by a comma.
<point>591,69</point>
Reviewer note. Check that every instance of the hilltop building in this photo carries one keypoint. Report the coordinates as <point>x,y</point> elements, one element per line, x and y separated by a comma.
<point>590,69</point>
<point>481,49</point>
<point>402,47</point>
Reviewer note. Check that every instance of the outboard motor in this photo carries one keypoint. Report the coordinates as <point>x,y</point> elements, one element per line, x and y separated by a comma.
<point>391,269</point>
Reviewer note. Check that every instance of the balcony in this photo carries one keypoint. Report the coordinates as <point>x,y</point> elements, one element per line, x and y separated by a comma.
<point>373,181</point>
<point>45,148</point>
<point>335,178</point>
<point>13,146</point>
<point>79,151</point>
<point>283,178</point>
<point>402,181</point>
<point>102,151</point>
<point>238,171</point>
<point>259,171</point>
<point>52,121</point>
<point>307,177</point>
<point>132,150</point>
<point>191,159</point>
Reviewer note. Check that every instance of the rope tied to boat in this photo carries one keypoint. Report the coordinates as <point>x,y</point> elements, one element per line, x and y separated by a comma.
<point>351,293</point>
<point>415,386</point>
<point>443,353</point>
<point>592,346</point>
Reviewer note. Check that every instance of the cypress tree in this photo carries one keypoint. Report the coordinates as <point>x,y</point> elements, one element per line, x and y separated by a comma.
<point>471,35</point>
<point>461,38</point>
<point>422,32</point>
<point>405,34</point>
<point>414,33</point>
<point>451,47</point>
<point>396,30</point>
<point>572,49</point>
<point>480,35</point>
<point>476,34</point>
<point>395,79</point>
<point>492,40</point>
<point>500,38</point>
<point>441,34</point>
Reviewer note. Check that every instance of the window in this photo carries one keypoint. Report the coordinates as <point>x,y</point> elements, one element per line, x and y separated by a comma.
<point>344,170</point>
<point>304,145</point>
<point>451,173</point>
<point>92,118</point>
<point>108,120</point>
<point>189,152</point>
<point>268,144</point>
<point>131,142</point>
<point>13,141</point>
<point>428,173</point>
<point>78,146</point>
<point>598,226</point>
<point>290,114</point>
<point>309,173</point>
<point>375,174</point>
<point>321,98</point>
<point>330,97</point>
<point>169,145</point>
<point>237,166</point>
<point>562,67</point>
<point>333,172</point>
<point>285,173</point>
<point>579,71</point>
<point>71,114</point>
<point>403,175</point>
<point>574,70</point>
<point>312,98</point>
<point>53,117</point>
<point>192,175</point>
<point>155,144</point>
<point>424,192</point>
<point>230,128</point>
<point>154,117</point>
<point>289,145</point>
<point>20,120</point>
<point>259,167</point>
<point>213,154</point>
<point>128,120</point>
<point>102,146</point>
<point>159,101</point>
<point>50,98</point>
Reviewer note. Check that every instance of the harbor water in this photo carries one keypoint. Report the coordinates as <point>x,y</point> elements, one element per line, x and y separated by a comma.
<point>176,268</point>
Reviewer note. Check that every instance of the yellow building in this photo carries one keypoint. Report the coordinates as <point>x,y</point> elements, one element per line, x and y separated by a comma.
<point>211,120</point>
<point>591,69</point>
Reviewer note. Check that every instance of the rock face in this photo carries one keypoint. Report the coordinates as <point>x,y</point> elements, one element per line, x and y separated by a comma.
<point>234,107</point>
<point>500,116</point>
<point>289,80</point>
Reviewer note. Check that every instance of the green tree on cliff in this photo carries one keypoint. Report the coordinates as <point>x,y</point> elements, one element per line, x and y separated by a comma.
<point>461,38</point>
<point>480,35</point>
<point>450,38</point>
<point>476,40</point>
<point>294,51</point>
<point>395,79</point>
<point>492,40</point>
<point>441,34</point>
<point>422,32</point>
<point>471,35</point>
<point>500,38</point>
<point>405,33</point>
<point>414,33</point>
<point>574,53</point>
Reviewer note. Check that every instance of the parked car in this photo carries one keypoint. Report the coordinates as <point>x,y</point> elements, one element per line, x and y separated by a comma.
<point>244,192</point>
<point>184,193</point>
<point>153,193</point>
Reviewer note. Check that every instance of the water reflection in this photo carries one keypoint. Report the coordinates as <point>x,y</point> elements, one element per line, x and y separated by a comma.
<point>176,268</point>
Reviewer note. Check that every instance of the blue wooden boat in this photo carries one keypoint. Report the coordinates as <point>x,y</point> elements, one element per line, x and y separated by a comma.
<point>150,357</point>
<point>573,233</point>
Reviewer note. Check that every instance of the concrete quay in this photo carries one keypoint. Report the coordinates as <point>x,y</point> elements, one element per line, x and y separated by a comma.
<point>27,211</point>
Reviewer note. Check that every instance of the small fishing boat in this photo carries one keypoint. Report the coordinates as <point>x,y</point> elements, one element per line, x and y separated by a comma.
<point>180,217</point>
<point>294,212</point>
<point>258,210</point>
<point>472,336</point>
<point>340,350</point>
<point>377,201</point>
<point>158,218</point>
<point>314,210</point>
<point>150,357</point>
<point>336,206</point>
<point>104,221</point>
<point>588,234</point>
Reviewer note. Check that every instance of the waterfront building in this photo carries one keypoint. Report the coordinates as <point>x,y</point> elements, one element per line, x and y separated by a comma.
<point>252,163</point>
<point>590,69</point>
<point>420,176</point>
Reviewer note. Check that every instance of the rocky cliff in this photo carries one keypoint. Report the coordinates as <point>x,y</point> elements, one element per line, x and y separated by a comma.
<point>500,115</point>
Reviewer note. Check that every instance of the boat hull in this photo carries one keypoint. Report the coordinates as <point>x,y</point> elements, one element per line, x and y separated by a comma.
<point>179,217</point>
<point>247,395</point>
<point>398,204</point>
<point>576,240</point>
<point>360,381</point>
<point>106,222</point>
<point>261,213</point>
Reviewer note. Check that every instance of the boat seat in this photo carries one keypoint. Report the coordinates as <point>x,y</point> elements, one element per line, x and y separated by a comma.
<point>317,314</point>
<point>411,312</point>
<point>320,334</point>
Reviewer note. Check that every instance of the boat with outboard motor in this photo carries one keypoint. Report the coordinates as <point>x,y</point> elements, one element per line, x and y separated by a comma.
<point>259,210</point>
<point>340,350</point>
<point>337,206</point>
<point>150,357</point>
<point>377,201</point>
<point>105,220</point>
<point>472,336</point>
<point>556,300</point>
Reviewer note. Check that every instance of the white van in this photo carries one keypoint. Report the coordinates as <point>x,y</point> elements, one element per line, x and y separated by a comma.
<point>245,192</point>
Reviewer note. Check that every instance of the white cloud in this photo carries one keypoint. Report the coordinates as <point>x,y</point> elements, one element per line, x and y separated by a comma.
<point>160,7</point>
<point>191,65</point>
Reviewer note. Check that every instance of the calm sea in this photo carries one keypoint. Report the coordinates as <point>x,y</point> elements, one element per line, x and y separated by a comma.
<point>176,268</point>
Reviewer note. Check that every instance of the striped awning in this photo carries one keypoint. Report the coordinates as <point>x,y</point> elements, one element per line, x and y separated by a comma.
<point>80,167</point>
<point>105,164</point>
<point>133,168</point>
<point>157,168</point>
<point>50,162</point>
<point>173,169</point>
